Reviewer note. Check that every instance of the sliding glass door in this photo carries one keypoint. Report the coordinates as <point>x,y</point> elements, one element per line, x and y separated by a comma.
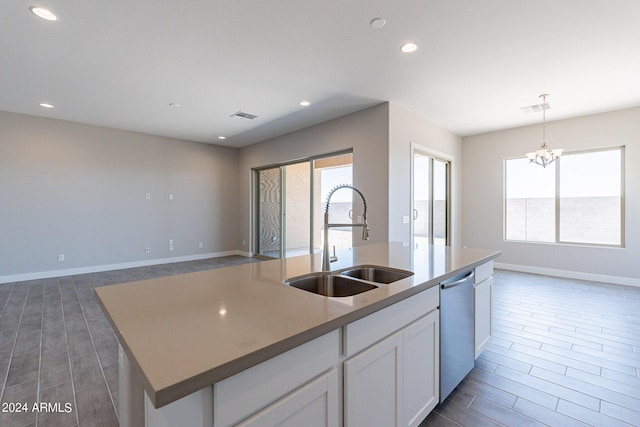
<point>329,172</point>
<point>290,201</point>
<point>297,208</point>
<point>430,202</point>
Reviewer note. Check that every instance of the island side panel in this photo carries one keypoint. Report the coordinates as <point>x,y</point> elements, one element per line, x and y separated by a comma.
<point>131,394</point>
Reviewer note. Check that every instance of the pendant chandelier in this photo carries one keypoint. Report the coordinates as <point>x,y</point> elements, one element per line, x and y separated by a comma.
<point>544,156</point>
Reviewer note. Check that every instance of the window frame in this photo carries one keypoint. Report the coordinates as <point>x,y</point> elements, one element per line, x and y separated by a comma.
<point>558,167</point>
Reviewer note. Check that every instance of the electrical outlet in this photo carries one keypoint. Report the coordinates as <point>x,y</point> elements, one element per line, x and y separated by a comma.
<point>146,250</point>
<point>200,245</point>
<point>170,247</point>
<point>60,257</point>
<point>171,196</point>
<point>405,219</point>
<point>171,241</point>
<point>147,196</point>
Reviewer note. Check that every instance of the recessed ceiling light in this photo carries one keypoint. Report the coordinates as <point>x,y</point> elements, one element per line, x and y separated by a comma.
<point>409,47</point>
<point>43,13</point>
<point>46,105</point>
<point>377,23</point>
<point>305,103</point>
<point>222,137</point>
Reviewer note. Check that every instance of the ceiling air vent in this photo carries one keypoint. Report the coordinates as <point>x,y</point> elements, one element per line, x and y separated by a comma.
<point>536,108</point>
<point>244,115</point>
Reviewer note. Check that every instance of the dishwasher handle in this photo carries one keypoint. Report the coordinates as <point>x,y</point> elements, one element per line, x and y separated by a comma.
<point>447,285</point>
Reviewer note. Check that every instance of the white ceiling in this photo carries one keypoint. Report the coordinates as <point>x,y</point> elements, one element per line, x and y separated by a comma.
<point>119,63</point>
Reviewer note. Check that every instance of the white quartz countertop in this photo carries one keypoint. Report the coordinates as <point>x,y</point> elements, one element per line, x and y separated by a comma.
<point>182,333</point>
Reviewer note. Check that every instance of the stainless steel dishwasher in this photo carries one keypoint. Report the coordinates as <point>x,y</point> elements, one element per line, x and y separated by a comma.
<point>456,331</point>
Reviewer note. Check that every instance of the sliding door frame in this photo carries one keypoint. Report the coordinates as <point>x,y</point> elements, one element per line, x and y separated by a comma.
<point>433,155</point>
<point>255,201</point>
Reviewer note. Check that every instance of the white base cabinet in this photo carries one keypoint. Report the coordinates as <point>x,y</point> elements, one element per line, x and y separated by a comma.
<point>373,385</point>
<point>313,405</point>
<point>269,385</point>
<point>482,291</point>
<point>421,342</point>
<point>395,382</point>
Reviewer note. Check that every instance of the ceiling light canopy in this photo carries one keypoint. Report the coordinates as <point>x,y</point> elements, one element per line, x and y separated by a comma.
<point>409,47</point>
<point>305,103</point>
<point>544,155</point>
<point>43,13</point>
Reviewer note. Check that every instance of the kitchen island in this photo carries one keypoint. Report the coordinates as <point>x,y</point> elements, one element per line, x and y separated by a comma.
<point>218,345</point>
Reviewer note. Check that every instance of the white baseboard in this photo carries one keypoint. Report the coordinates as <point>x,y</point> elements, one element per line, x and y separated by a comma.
<point>109,267</point>
<point>618,280</point>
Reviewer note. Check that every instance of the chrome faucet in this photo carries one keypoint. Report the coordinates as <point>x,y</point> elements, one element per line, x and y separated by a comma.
<point>326,259</point>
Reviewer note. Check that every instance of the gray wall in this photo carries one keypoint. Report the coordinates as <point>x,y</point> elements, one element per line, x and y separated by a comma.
<point>366,132</point>
<point>79,190</point>
<point>483,194</point>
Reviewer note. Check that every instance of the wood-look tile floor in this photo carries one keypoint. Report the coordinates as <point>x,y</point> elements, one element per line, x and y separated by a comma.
<point>57,348</point>
<point>564,353</point>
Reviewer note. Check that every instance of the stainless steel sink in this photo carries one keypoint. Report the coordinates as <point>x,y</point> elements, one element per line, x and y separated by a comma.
<point>377,274</point>
<point>330,285</point>
<point>347,282</point>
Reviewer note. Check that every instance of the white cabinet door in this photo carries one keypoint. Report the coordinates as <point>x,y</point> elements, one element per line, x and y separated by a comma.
<point>421,341</point>
<point>373,385</point>
<point>313,405</point>
<point>482,293</point>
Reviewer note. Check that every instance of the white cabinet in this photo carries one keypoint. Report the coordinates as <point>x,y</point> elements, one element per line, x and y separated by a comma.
<point>251,391</point>
<point>394,382</point>
<point>373,385</point>
<point>421,368</point>
<point>482,301</point>
<point>313,405</point>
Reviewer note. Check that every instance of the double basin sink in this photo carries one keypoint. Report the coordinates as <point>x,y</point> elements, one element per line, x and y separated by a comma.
<point>347,282</point>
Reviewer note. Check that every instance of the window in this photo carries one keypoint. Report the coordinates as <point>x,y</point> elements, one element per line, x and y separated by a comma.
<point>577,199</point>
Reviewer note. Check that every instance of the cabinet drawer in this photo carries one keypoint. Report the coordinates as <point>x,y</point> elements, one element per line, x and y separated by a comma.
<point>366,331</point>
<point>267,382</point>
<point>484,271</point>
